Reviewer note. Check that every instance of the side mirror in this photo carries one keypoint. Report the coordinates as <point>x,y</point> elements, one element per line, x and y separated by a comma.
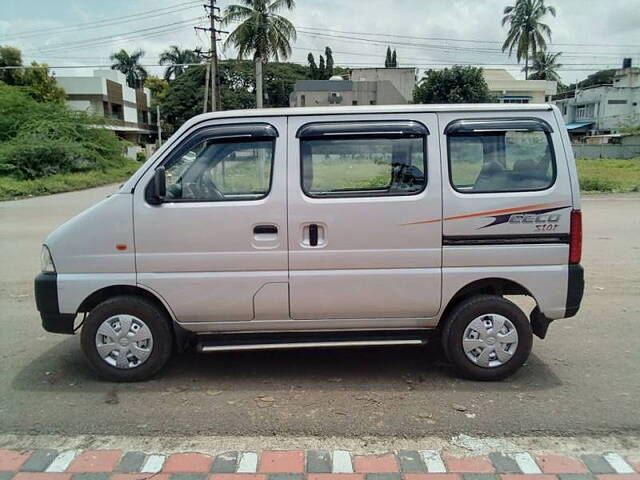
<point>159,186</point>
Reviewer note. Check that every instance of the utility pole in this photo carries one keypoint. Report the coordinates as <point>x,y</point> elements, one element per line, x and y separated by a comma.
<point>213,53</point>
<point>206,90</point>
<point>259,94</point>
<point>159,126</point>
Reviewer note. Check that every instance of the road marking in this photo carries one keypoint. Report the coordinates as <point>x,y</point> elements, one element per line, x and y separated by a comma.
<point>62,461</point>
<point>341,462</point>
<point>526,463</point>
<point>153,464</point>
<point>248,462</point>
<point>433,461</point>
<point>618,463</point>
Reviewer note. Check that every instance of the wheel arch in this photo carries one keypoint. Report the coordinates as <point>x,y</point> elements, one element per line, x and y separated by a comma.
<point>486,286</point>
<point>181,336</point>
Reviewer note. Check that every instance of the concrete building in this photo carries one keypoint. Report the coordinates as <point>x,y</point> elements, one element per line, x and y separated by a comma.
<point>603,109</point>
<point>510,90</point>
<point>106,93</point>
<point>366,86</point>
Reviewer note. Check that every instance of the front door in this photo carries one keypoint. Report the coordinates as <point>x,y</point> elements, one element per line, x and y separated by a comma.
<point>364,191</point>
<point>216,248</point>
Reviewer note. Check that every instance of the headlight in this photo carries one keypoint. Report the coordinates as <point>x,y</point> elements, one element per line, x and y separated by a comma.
<point>46,262</point>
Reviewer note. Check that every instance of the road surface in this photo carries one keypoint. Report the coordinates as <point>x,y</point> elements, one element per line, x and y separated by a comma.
<point>582,380</point>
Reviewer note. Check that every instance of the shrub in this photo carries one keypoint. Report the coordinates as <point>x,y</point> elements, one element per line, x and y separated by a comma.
<point>46,138</point>
<point>141,157</point>
<point>598,185</point>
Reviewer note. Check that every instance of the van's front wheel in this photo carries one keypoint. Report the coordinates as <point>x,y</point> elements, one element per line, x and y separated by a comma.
<point>487,338</point>
<point>126,339</point>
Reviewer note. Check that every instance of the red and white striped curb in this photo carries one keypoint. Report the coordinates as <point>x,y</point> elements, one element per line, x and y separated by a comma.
<point>43,464</point>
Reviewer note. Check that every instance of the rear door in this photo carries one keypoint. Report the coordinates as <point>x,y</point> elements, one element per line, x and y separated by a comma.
<point>507,197</point>
<point>360,188</point>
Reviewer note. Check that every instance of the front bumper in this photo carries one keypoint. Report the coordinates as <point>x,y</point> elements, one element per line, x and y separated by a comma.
<point>46,292</point>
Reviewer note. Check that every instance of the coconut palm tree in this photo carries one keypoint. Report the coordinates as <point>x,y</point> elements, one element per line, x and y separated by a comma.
<point>545,66</point>
<point>175,58</point>
<point>129,64</point>
<point>261,33</point>
<point>527,34</point>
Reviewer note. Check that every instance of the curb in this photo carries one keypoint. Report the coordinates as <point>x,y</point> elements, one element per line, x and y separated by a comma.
<point>51,464</point>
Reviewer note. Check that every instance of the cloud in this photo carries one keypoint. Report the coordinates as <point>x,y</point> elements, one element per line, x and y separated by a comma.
<point>602,23</point>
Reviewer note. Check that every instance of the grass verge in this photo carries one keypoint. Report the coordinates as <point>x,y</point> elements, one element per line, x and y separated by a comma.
<point>596,176</point>
<point>609,175</point>
<point>10,188</point>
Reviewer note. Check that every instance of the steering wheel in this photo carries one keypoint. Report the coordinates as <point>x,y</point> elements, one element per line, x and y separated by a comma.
<point>207,189</point>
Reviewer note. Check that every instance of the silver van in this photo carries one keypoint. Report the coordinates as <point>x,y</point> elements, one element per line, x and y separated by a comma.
<point>328,227</point>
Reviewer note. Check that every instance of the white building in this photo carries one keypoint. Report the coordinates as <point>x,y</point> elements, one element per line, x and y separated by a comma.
<point>106,93</point>
<point>603,109</point>
<point>366,86</point>
<point>508,89</point>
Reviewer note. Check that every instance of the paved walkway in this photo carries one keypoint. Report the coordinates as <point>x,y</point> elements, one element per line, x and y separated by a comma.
<point>52,464</point>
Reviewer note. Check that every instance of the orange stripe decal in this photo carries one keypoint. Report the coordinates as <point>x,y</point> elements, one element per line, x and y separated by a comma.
<point>500,211</point>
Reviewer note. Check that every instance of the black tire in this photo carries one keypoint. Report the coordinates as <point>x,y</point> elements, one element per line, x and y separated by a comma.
<point>153,316</point>
<point>465,313</point>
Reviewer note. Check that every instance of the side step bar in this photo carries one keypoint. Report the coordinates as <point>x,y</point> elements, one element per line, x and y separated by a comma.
<point>287,341</point>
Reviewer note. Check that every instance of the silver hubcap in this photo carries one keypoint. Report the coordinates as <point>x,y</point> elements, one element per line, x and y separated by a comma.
<point>124,341</point>
<point>490,340</point>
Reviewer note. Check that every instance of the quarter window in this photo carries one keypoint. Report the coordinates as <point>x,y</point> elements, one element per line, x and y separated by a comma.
<point>501,161</point>
<point>363,166</point>
<point>215,170</point>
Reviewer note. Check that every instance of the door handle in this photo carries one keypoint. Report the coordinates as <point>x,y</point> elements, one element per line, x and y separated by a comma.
<point>265,229</point>
<point>313,235</point>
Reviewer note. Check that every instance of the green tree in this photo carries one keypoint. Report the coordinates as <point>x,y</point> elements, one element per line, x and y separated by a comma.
<point>159,88</point>
<point>545,66</point>
<point>237,82</point>
<point>11,57</point>
<point>129,64</point>
<point>394,59</point>
<point>175,58</point>
<point>387,60</point>
<point>322,69</point>
<point>262,33</point>
<point>45,138</point>
<point>280,78</point>
<point>42,86</point>
<point>601,77</point>
<point>329,66</point>
<point>313,68</point>
<point>527,34</point>
<point>459,84</point>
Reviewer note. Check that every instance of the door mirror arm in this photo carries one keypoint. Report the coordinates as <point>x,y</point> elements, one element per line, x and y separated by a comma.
<point>159,188</point>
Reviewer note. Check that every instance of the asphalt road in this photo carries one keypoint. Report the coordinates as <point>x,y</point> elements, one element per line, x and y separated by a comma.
<point>583,379</point>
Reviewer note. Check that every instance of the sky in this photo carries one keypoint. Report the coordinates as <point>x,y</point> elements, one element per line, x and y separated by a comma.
<point>592,34</point>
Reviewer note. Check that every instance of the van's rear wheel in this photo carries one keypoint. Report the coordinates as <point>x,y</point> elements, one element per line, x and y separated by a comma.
<point>487,338</point>
<point>126,339</point>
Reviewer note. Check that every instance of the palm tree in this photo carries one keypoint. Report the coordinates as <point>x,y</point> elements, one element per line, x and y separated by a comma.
<point>130,66</point>
<point>262,33</point>
<point>545,66</point>
<point>526,31</point>
<point>175,58</point>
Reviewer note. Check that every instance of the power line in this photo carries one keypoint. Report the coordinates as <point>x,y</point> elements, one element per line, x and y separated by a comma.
<point>446,48</point>
<point>96,41</point>
<point>438,62</point>
<point>464,40</point>
<point>105,22</point>
<point>364,64</point>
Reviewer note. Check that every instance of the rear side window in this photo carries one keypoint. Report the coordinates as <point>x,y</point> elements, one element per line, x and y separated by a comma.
<point>375,163</point>
<point>485,160</point>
